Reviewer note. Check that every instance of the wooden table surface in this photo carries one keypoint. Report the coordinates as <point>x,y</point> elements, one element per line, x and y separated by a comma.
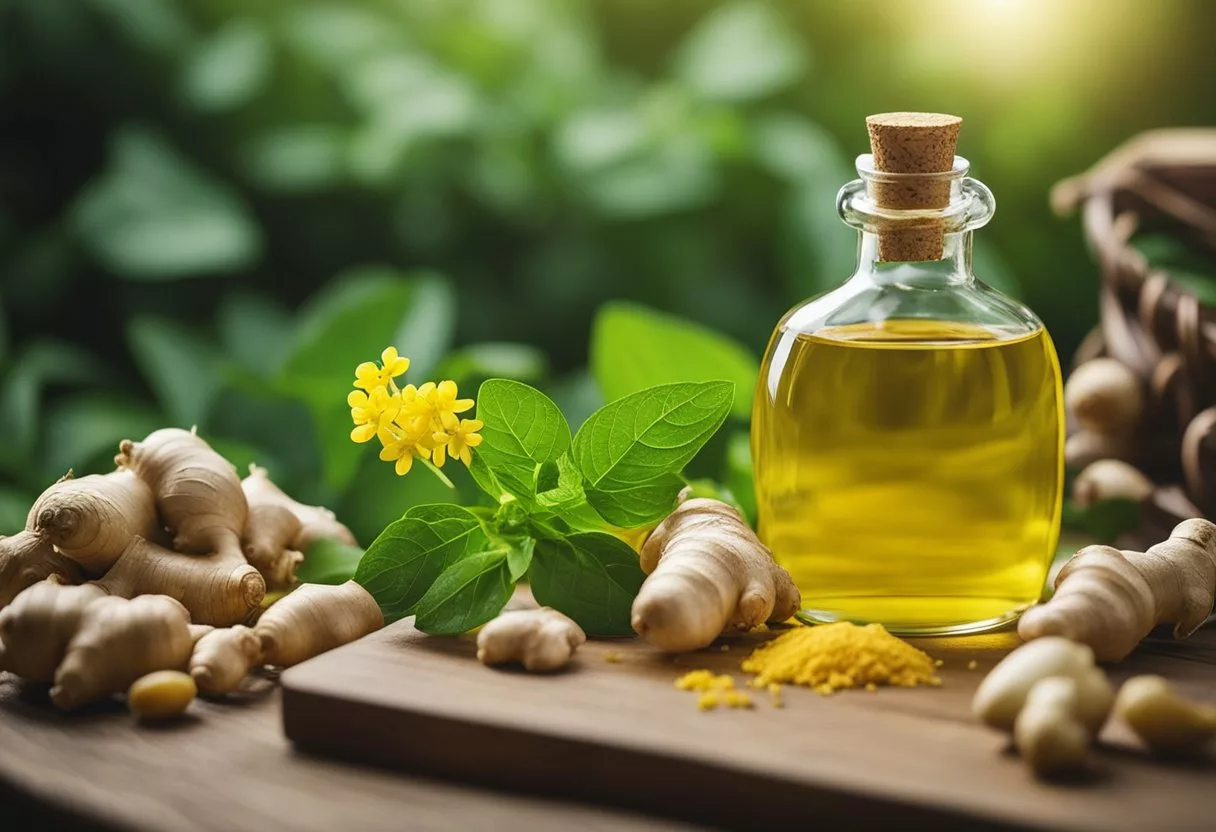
<point>229,767</point>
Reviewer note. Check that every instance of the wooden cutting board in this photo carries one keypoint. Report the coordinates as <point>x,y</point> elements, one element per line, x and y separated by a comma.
<point>612,729</point>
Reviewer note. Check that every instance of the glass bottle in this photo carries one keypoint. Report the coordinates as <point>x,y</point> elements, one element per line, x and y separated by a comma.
<point>908,428</point>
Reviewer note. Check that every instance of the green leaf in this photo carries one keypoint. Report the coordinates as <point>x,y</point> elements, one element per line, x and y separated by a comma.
<point>740,51</point>
<point>548,476</point>
<point>592,577</point>
<point>795,148</point>
<point>352,320</point>
<point>1104,520</point>
<point>636,505</point>
<point>329,562</point>
<point>523,429</point>
<point>468,594</point>
<point>478,362</point>
<point>298,159</point>
<point>569,489</point>
<point>739,474</point>
<point>229,68</point>
<point>83,432</point>
<point>519,557</point>
<point>407,557</point>
<point>38,365</point>
<point>485,478</point>
<point>255,331</point>
<point>155,25</point>
<point>180,367</point>
<point>154,216</point>
<point>641,437</point>
<point>633,348</point>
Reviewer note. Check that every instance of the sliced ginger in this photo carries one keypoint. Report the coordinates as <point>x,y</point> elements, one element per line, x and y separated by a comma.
<point>708,573</point>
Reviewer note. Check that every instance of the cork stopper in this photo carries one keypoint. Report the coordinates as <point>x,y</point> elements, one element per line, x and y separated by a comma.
<point>912,143</point>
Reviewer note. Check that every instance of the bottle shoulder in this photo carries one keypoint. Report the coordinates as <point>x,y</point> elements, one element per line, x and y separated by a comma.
<point>862,301</point>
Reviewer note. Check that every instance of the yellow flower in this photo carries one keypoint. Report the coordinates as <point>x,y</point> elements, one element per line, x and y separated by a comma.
<point>370,412</point>
<point>446,401</point>
<point>410,422</point>
<point>461,438</point>
<point>396,450</point>
<point>394,365</point>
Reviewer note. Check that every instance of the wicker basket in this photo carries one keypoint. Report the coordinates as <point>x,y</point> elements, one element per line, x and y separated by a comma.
<point>1166,181</point>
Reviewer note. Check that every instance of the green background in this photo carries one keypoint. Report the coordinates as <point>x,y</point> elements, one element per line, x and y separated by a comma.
<point>210,210</point>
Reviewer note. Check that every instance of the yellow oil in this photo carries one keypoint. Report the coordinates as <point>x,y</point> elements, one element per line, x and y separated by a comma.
<point>910,472</point>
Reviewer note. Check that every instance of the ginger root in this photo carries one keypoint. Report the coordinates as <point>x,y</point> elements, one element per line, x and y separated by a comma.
<point>1110,600</point>
<point>540,640</point>
<point>36,627</point>
<point>116,642</point>
<point>27,558</point>
<point>198,493</point>
<point>218,589</point>
<point>1165,721</point>
<point>1110,479</point>
<point>1105,396</point>
<point>1003,693</point>
<point>91,519</point>
<point>162,694</point>
<point>315,618</point>
<point>1048,732</point>
<point>707,572</point>
<point>222,658</point>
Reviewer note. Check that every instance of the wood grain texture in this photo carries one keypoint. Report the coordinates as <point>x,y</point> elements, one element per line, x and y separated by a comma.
<point>618,733</point>
<point>228,767</point>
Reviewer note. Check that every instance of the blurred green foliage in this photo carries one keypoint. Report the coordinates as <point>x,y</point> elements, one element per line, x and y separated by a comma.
<point>211,210</point>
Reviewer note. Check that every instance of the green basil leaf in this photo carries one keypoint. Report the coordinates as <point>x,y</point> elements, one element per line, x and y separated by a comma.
<point>329,562</point>
<point>641,437</point>
<point>468,594</point>
<point>592,577</point>
<point>407,557</point>
<point>633,348</point>
<point>519,557</point>
<point>523,429</point>
<point>569,489</point>
<point>639,504</point>
<point>548,475</point>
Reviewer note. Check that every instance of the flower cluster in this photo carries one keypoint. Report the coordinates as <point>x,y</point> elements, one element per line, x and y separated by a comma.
<point>410,422</point>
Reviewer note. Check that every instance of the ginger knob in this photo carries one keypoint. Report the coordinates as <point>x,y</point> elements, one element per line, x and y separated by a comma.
<point>1004,691</point>
<point>540,640</point>
<point>707,573</point>
<point>1165,721</point>
<point>1048,732</point>
<point>1104,396</point>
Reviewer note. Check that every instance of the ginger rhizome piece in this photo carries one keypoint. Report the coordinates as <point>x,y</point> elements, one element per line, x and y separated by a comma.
<point>1048,732</point>
<point>707,573</point>
<point>218,589</point>
<point>831,657</point>
<point>1110,479</point>
<point>1167,722</point>
<point>1105,396</point>
<point>316,618</point>
<point>198,492</point>
<point>540,640</point>
<point>91,519</point>
<point>1111,599</point>
<point>223,657</point>
<point>27,558</point>
<point>36,627</point>
<point>1002,694</point>
<point>280,529</point>
<point>162,694</point>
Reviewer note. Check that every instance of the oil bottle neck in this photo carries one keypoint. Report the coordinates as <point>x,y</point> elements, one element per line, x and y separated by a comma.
<point>952,269</point>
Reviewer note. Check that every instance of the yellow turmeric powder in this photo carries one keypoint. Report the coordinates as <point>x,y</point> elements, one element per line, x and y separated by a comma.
<point>831,657</point>
<point>714,690</point>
